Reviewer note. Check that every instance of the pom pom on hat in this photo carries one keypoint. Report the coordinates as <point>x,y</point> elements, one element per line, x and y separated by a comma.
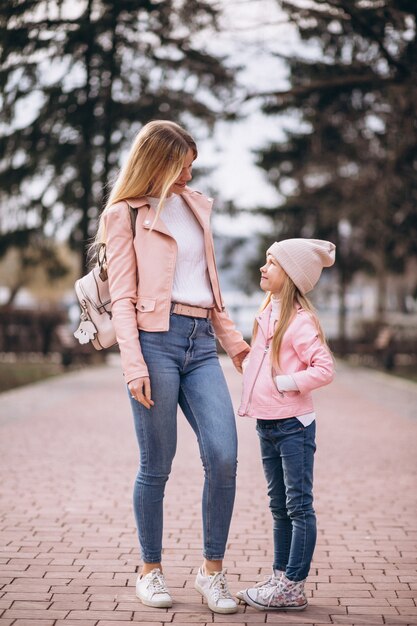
<point>303,259</point>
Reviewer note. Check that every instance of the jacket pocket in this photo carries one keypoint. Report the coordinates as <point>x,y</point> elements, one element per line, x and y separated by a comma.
<point>284,394</point>
<point>145,305</point>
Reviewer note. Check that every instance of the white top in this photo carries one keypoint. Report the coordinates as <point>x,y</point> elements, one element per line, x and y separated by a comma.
<point>191,280</point>
<point>285,382</point>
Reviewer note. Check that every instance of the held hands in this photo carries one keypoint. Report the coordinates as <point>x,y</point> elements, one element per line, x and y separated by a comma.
<point>239,358</point>
<point>140,390</point>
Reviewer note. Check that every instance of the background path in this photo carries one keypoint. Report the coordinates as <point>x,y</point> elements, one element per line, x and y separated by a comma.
<point>69,549</point>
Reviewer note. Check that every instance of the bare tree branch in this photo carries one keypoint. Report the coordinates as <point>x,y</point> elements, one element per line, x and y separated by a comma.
<point>322,85</point>
<point>369,32</point>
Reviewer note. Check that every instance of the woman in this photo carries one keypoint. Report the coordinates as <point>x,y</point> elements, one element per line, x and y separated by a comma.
<point>163,283</point>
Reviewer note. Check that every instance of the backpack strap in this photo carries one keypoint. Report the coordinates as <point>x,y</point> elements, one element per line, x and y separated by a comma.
<point>101,252</point>
<point>133,215</point>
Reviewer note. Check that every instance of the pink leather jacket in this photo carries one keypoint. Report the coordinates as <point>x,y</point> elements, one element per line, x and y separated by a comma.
<point>141,274</point>
<point>302,355</point>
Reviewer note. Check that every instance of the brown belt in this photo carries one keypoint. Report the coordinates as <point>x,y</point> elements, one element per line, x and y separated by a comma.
<point>190,311</point>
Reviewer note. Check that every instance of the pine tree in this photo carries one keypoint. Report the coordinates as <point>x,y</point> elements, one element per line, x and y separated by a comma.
<point>352,161</point>
<point>77,82</point>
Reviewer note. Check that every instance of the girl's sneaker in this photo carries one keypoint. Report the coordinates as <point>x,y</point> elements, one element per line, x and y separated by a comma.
<point>271,580</point>
<point>152,590</point>
<point>284,595</point>
<point>215,590</point>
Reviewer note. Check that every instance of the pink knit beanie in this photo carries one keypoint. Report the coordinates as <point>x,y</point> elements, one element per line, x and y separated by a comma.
<point>303,259</point>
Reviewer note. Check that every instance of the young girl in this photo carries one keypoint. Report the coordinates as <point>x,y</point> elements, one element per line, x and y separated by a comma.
<point>289,358</point>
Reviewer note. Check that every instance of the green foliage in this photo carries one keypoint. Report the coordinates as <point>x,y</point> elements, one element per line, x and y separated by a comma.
<point>348,170</point>
<point>22,373</point>
<point>78,80</point>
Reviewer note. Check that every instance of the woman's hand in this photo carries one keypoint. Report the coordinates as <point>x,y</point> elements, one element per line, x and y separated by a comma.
<point>140,390</point>
<point>239,358</point>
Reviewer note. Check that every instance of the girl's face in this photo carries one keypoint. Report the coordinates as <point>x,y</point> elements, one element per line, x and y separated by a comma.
<point>272,276</point>
<point>185,176</point>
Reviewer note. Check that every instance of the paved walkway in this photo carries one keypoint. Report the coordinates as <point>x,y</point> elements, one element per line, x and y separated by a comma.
<point>69,550</point>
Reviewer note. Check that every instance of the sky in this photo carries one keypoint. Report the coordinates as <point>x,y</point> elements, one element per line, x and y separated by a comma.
<point>252,31</point>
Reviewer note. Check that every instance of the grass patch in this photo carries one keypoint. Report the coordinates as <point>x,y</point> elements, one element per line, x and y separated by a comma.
<point>20,373</point>
<point>410,373</point>
<point>405,365</point>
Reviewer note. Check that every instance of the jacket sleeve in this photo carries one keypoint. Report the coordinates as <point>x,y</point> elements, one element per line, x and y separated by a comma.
<point>122,270</point>
<point>312,352</point>
<point>230,338</point>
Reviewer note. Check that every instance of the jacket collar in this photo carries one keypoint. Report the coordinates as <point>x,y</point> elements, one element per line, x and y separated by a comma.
<point>199,205</point>
<point>264,317</point>
<point>263,321</point>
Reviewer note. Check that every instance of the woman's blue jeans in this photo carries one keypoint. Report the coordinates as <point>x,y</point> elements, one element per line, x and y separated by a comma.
<point>287,449</point>
<point>184,369</point>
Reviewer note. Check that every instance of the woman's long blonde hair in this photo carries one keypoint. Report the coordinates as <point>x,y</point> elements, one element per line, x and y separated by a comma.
<point>154,163</point>
<point>289,297</point>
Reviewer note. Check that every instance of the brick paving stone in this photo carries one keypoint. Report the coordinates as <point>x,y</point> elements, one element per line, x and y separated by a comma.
<point>118,623</point>
<point>363,620</point>
<point>77,622</point>
<point>34,614</point>
<point>186,618</point>
<point>35,605</point>
<point>97,615</point>
<point>228,622</point>
<point>68,456</point>
<point>70,605</point>
<point>33,622</point>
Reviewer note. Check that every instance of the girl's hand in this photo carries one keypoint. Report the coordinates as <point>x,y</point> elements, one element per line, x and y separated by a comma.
<point>140,390</point>
<point>239,358</point>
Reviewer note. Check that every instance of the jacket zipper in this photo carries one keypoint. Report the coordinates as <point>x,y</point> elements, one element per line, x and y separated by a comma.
<point>256,378</point>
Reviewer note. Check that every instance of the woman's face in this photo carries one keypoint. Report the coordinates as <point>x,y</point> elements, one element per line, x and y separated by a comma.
<point>185,176</point>
<point>272,276</point>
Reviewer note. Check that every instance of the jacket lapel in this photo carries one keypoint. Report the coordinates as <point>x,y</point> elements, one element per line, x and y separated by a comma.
<point>139,203</point>
<point>263,321</point>
<point>200,206</point>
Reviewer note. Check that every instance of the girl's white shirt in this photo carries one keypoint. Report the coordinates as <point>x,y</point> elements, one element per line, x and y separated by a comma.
<point>285,382</point>
<point>191,280</point>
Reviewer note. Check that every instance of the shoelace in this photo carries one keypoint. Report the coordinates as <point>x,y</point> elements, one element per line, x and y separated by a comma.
<point>157,582</point>
<point>268,592</point>
<point>269,581</point>
<point>220,588</point>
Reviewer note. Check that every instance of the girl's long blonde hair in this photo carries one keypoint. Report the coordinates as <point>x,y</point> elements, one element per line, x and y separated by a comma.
<point>154,163</point>
<point>290,296</point>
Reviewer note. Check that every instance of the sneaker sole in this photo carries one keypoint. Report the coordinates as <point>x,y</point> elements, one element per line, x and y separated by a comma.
<point>214,608</point>
<point>262,607</point>
<point>162,604</point>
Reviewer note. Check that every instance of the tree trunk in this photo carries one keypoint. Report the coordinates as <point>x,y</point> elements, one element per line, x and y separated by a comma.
<point>342,311</point>
<point>87,157</point>
<point>12,294</point>
<point>381,292</point>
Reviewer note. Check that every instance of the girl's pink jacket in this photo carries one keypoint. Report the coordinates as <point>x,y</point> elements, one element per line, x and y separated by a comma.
<point>302,355</point>
<point>141,274</point>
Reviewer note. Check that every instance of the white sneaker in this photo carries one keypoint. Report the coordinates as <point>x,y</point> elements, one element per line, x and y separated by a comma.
<point>215,590</point>
<point>268,582</point>
<point>284,595</point>
<point>152,590</point>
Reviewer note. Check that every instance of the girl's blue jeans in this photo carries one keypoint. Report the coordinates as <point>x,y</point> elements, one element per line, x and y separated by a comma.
<point>287,449</point>
<point>184,369</point>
